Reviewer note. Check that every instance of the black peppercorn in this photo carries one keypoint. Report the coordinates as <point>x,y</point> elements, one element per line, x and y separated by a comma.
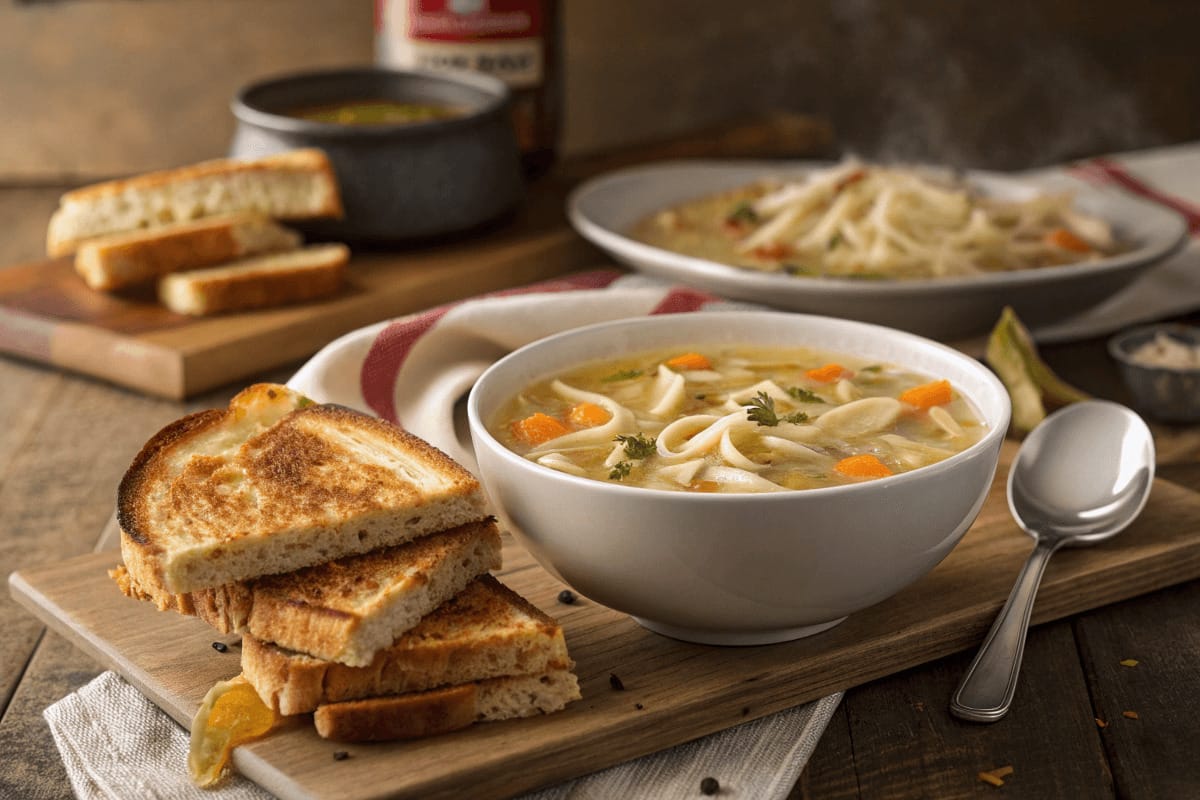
<point>638,706</point>
<point>710,786</point>
<point>615,682</point>
<point>340,755</point>
<point>566,597</point>
<point>220,647</point>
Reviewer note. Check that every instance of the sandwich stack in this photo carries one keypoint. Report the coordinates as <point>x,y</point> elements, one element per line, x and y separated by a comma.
<point>208,234</point>
<point>353,558</point>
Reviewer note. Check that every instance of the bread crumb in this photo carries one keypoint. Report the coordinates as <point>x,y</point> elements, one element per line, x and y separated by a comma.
<point>996,776</point>
<point>1129,714</point>
<point>988,777</point>
<point>1129,662</point>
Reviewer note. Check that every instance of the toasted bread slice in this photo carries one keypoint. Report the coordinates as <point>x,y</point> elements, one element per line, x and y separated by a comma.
<point>485,631</point>
<point>349,609</point>
<point>127,259</point>
<point>450,708</point>
<point>274,484</point>
<point>260,282</point>
<point>299,184</point>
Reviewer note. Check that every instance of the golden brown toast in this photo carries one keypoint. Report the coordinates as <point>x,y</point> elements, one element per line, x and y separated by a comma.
<point>262,281</point>
<point>450,708</point>
<point>274,484</point>
<point>127,259</point>
<point>348,609</point>
<point>486,631</point>
<point>299,184</point>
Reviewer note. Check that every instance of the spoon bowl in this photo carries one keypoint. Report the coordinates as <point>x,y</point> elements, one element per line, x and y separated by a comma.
<point>1082,476</point>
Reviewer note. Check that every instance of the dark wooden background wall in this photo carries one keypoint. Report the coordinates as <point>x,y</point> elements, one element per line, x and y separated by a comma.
<point>91,88</point>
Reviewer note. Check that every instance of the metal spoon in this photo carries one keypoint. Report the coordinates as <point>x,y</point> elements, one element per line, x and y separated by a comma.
<point>1080,477</point>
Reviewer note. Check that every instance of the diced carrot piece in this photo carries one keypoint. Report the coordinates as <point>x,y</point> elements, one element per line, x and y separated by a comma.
<point>689,361</point>
<point>588,415</point>
<point>1061,237</point>
<point>928,395</point>
<point>704,486</point>
<point>862,466</point>
<point>829,373</point>
<point>775,250</point>
<point>539,428</point>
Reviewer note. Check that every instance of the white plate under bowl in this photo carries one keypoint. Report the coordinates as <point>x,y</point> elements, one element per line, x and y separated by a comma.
<point>606,208</point>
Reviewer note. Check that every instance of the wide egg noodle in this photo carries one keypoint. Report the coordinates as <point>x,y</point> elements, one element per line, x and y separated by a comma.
<point>560,462</point>
<point>739,480</point>
<point>682,474</point>
<point>861,417</point>
<point>670,389</point>
<point>733,456</point>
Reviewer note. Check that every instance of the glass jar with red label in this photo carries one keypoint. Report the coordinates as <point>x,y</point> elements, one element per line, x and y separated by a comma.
<point>514,40</point>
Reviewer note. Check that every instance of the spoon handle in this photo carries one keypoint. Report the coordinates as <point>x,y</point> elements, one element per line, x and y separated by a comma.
<point>986,690</point>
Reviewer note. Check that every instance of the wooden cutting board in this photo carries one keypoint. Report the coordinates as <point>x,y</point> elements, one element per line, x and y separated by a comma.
<point>49,315</point>
<point>673,691</point>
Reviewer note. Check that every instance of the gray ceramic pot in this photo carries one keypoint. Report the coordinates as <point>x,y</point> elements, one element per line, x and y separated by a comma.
<point>403,181</point>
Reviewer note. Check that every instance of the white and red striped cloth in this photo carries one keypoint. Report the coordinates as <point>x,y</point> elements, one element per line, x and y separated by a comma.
<point>414,370</point>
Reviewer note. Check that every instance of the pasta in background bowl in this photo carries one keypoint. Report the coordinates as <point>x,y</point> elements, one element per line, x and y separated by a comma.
<point>955,303</point>
<point>738,567</point>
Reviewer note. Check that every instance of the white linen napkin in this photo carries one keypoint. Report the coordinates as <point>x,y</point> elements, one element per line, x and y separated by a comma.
<point>117,745</point>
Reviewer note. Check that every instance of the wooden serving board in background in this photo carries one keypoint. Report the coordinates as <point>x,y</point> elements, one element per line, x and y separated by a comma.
<point>48,314</point>
<point>673,691</point>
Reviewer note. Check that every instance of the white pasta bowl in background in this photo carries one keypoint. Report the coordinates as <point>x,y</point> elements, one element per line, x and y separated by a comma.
<point>738,568</point>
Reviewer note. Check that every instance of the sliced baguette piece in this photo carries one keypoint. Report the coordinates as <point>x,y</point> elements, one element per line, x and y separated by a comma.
<point>486,631</point>
<point>276,483</point>
<point>260,282</point>
<point>298,184</point>
<point>349,609</point>
<point>127,259</point>
<point>410,716</point>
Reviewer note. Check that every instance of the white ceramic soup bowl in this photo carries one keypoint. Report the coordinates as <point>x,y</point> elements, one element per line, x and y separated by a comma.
<point>737,569</point>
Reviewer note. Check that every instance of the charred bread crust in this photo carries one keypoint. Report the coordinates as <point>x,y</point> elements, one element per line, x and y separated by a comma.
<point>130,494</point>
<point>412,716</point>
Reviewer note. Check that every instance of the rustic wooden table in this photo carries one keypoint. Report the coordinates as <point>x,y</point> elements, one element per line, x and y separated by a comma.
<point>66,440</point>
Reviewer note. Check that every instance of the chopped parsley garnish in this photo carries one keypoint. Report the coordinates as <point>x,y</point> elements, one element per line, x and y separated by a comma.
<point>835,240</point>
<point>623,375</point>
<point>743,212</point>
<point>761,409</point>
<point>872,368</point>
<point>803,395</point>
<point>637,446</point>
<point>796,269</point>
<point>619,470</point>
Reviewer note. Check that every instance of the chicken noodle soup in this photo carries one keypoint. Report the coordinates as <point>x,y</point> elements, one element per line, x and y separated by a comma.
<point>865,221</point>
<point>738,419</point>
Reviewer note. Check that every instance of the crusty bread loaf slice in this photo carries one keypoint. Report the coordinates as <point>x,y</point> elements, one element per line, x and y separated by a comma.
<point>450,708</point>
<point>260,282</point>
<point>276,483</point>
<point>485,631</point>
<point>127,259</point>
<point>348,609</point>
<point>299,184</point>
